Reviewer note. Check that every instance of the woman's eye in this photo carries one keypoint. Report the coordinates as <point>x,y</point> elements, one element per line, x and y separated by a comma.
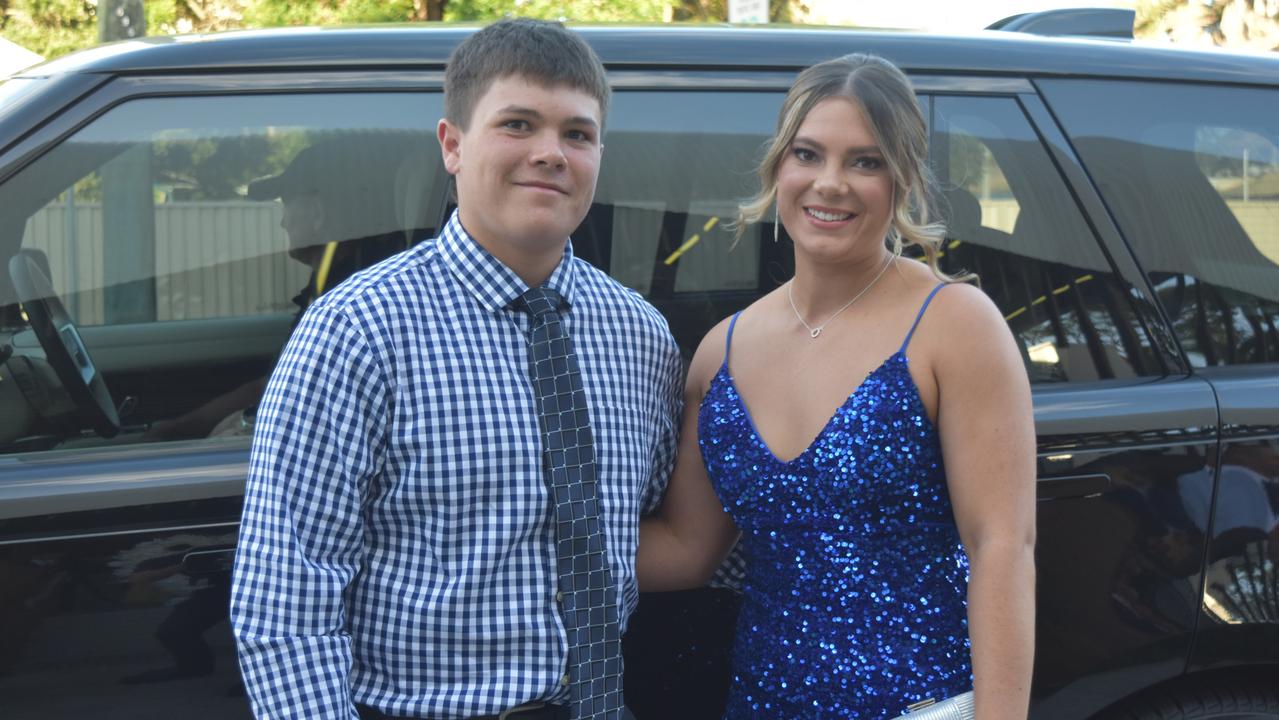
<point>868,163</point>
<point>804,154</point>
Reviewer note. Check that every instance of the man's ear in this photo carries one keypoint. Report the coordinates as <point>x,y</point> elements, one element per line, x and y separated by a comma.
<point>450,137</point>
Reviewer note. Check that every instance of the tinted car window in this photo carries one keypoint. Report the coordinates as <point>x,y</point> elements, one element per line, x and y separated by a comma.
<point>184,235</point>
<point>675,166</point>
<point>1012,221</point>
<point>1191,174</point>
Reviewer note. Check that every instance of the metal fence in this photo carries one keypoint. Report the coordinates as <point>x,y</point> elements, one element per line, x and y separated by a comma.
<point>212,259</point>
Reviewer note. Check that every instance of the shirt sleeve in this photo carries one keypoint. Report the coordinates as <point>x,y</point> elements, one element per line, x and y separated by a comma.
<point>671,396</point>
<point>315,447</point>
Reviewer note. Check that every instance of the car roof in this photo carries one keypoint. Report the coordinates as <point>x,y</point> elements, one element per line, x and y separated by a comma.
<point>679,46</point>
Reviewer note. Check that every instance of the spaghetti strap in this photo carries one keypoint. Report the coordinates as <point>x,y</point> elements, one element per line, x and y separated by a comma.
<point>918,317</point>
<point>728,339</point>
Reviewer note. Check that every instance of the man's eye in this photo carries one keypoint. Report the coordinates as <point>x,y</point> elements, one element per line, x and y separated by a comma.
<point>579,135</point>
<point>516,124</point>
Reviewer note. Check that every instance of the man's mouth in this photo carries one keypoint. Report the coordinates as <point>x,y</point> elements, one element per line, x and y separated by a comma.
<point>828,215</point>
<point>544,186</point>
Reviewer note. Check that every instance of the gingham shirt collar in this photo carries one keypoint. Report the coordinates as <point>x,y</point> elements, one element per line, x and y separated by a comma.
<point>494,285</point>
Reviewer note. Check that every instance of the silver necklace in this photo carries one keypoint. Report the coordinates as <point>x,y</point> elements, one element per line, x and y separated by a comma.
<point>813,332</point>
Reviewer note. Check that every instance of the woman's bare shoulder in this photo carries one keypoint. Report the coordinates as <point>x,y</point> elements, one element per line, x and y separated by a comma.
<point>966,333</point>
<point>960,308</point>
<point>709,355</point>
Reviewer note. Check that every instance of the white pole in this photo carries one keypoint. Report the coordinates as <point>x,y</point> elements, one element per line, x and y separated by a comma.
<point>1245,174</point>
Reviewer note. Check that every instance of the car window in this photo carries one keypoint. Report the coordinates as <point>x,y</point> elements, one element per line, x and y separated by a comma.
<point>1191,174</point>
<point>183,237</point>
<point>1013,222</point>
<point>676,164</point>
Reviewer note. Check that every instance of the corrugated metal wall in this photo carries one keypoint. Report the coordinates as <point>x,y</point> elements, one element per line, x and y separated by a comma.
<point>213,259</point>
<point>227,259</point>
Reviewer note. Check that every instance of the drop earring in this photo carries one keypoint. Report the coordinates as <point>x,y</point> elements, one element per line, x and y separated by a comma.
<point>777,221</point>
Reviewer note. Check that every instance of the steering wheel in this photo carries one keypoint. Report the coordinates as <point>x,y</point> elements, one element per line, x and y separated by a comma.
<point>63,349</point>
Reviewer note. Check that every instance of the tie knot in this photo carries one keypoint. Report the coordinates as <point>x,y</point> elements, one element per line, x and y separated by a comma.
<point>541,301</point>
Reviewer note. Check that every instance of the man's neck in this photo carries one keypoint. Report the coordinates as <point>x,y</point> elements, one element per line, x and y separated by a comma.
<point>532,261</point>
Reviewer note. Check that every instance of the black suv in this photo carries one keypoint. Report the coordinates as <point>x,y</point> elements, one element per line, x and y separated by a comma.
<point>1119,202</point>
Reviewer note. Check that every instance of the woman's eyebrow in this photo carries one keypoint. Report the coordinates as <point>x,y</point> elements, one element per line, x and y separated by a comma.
<point>859,150</point>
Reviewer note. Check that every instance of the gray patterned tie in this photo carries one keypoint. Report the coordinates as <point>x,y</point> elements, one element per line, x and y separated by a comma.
<point>588,599</point>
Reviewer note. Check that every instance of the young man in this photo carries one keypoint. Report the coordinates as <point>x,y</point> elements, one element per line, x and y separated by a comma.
<point>453,452</point>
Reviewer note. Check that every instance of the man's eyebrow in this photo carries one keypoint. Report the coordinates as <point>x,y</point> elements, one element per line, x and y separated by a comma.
<point>530,112</point>
<point>859,150</point>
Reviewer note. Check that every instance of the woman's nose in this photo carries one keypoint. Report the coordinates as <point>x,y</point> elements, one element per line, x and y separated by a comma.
<point>831,180</point>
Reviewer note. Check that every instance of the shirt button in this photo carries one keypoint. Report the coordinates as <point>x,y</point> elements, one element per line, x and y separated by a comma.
<point>559,597</point>
<point>564,680</point>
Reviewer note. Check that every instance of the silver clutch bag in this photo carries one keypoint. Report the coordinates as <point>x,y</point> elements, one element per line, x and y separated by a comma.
<point>959,707</point>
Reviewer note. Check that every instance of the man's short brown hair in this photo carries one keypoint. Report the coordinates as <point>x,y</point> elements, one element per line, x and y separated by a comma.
<point>544,53</point>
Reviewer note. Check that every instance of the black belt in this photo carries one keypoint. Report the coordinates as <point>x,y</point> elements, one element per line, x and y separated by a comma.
<point>530,711</point>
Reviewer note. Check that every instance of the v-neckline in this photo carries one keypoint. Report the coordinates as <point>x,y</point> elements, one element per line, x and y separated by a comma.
<point>741,401</point>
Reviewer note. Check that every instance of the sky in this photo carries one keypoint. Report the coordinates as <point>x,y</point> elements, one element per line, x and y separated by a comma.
<point>936,15</point>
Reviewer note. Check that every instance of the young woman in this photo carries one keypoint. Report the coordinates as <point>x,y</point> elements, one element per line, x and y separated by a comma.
<point>866,431</point>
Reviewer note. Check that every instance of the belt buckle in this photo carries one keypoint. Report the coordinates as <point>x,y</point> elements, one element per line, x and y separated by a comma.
<point>520,710</point>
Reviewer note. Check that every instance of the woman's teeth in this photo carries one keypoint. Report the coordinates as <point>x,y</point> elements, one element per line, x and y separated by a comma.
<point>827,216</point>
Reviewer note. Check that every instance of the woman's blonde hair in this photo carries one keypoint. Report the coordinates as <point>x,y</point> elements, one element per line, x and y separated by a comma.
<point>888,102</point>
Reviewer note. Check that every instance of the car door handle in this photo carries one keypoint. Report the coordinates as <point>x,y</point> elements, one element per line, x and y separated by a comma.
<point>1073,486</point>
<point>208,562</point>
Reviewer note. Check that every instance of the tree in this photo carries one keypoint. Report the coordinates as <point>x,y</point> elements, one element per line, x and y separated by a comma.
<point>1250,24</point>
<point>569,10</point>
<point>55,27</point>
<point>50,27</point>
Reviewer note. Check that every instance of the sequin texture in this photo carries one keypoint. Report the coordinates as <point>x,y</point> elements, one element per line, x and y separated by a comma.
<point>854,604</point>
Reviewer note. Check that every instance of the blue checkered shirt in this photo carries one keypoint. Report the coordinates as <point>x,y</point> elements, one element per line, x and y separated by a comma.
<point>396,548</point>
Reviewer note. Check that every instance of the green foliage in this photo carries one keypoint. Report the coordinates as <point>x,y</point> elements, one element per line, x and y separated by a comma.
<point>569,10</point>
<point>273,13</point>
<point>56,27</point>
<point>700,10</point>
<point>50,27</point>
<point>1150,12</point>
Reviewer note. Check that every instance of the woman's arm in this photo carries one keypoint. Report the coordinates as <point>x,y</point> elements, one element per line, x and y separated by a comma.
<point>688,537</point>
<point>988,443</point>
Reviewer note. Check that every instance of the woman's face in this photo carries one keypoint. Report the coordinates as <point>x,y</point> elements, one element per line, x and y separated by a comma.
<point>834,188</point>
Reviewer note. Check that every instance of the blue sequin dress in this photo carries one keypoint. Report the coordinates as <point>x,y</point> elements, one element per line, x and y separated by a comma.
<point>854,604</point>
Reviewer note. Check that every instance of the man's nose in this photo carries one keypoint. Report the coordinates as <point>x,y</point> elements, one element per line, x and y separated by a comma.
<point>548,150</point>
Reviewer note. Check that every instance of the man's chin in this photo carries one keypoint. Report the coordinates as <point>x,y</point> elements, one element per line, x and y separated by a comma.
<point>543,234</point>
<point>542,241</point>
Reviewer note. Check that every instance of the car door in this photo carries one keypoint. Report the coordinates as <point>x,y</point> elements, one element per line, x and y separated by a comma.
<point>1193,170</point>
<point>1124,430</point>
<point>180,235</point>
